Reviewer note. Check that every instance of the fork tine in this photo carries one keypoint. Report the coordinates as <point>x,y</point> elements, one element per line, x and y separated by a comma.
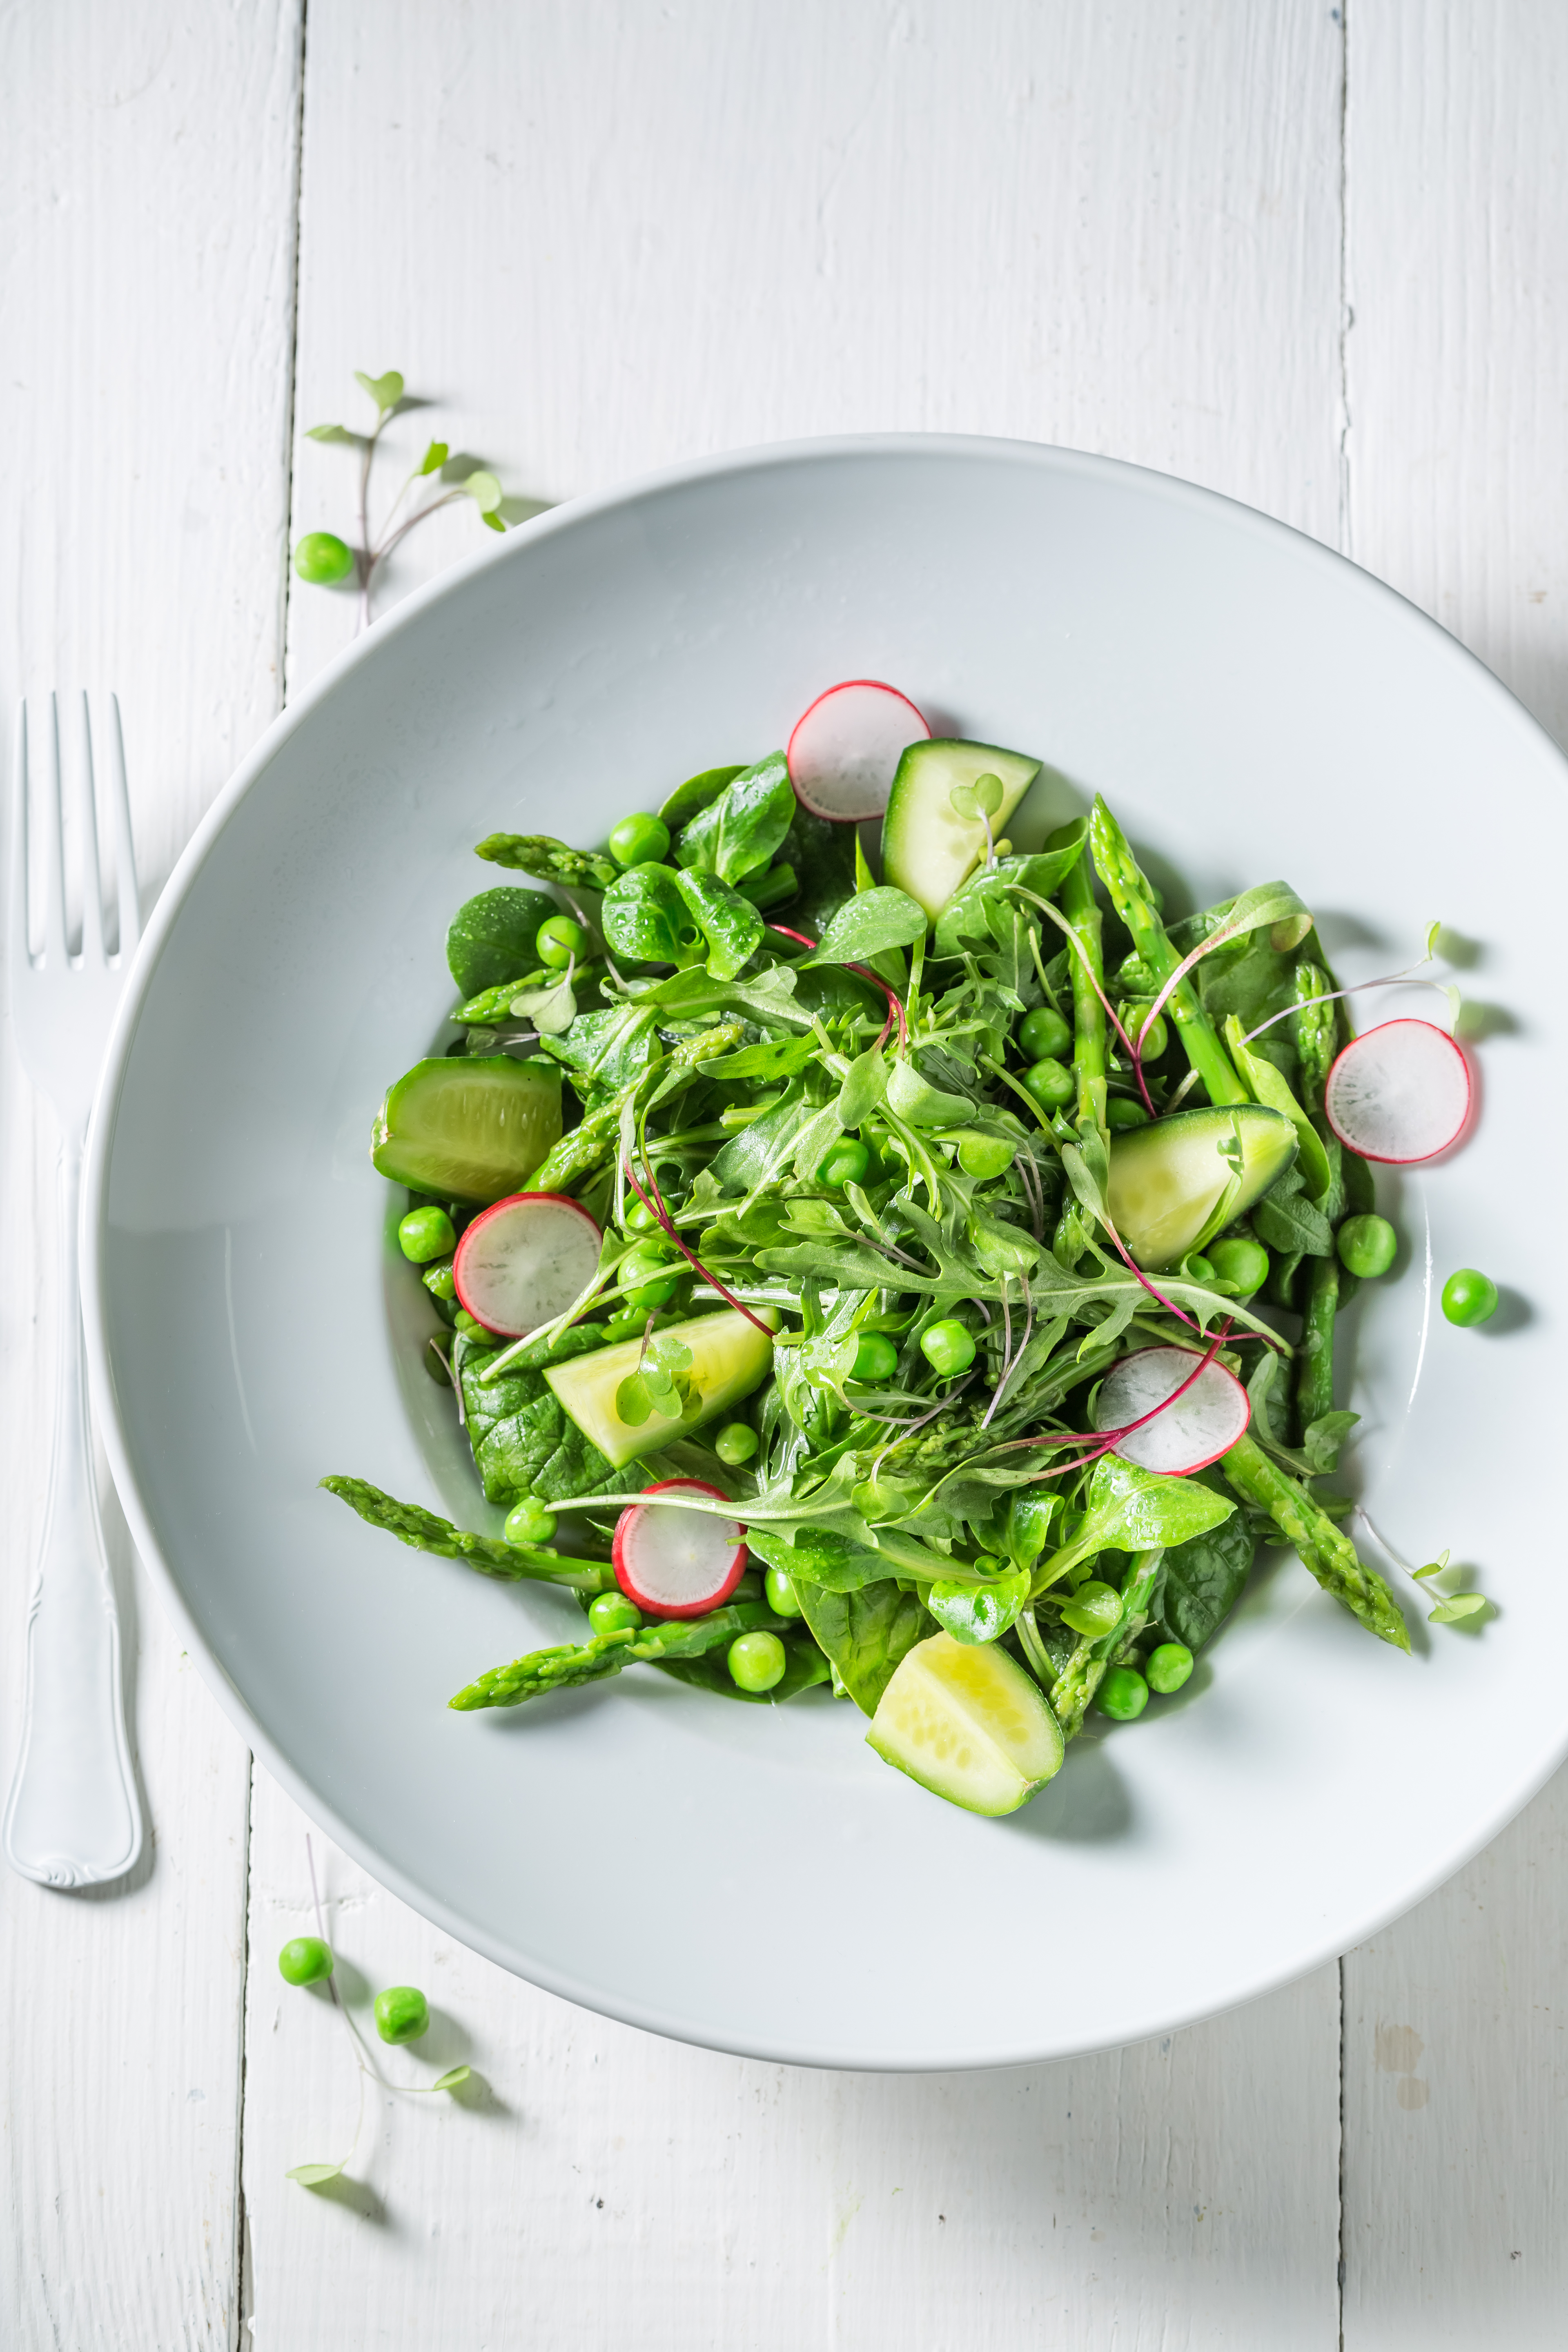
<point>55,957</point>
<point>92,883</point>
<point>119,813</point>
<point>18,951</point>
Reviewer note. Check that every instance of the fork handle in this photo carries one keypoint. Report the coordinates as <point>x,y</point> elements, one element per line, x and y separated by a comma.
<point>73,1818</point>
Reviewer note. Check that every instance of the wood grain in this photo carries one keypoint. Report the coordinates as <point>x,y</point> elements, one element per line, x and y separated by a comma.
<point>145,307</point>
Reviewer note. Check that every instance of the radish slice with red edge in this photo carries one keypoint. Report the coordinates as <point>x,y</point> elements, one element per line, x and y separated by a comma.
<point>524,1260</point>
<point>677,1563</point>
<point>1189,1434</point>
<point>1400,1092</point>
<point>844,748</point>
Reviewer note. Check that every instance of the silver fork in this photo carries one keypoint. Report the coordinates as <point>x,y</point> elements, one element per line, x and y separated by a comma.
<point>73,1818</point>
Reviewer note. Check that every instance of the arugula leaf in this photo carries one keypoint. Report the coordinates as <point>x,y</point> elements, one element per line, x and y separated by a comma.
<point>731,924</point>
<point>1321,1440</point>
<point>605,1049</point>
<point>549,860</point>
<point>865,1632</point>
<point>1289,1222</point>
<point>914,1098</point>
<point>967,913</point>
<point>738,833</point>
<point>865,1084</point>
<point>868,925</point>
<point>755,1155</point>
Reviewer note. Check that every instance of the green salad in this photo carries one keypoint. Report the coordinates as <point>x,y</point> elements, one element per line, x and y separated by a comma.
<point>923,1289</point>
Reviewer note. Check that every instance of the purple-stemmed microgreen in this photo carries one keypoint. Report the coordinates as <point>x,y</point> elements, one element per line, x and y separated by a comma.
<point>474,483</point>
<point>1408,978</point>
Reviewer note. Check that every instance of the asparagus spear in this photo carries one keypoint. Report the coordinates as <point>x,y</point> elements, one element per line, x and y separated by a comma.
<point>1078,903</point>
<point>425,1532</point>
<point>1315,1349</point>
<point>589,1145</point>
<point>1119,870</point>
<point>1331,1557</point>
<point>1317,1038</point>
<point>571,1662</point>
<point>1085,1671</point>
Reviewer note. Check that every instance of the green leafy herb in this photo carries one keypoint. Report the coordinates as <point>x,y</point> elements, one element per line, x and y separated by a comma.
<point>870,923</point>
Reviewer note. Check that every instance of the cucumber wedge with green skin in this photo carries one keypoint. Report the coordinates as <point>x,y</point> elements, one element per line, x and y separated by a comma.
<point>1176,1183</point>
<point>469,1128</point>
<point>927,847</point>
<point>730,1358</point>
<point>968,1724</point>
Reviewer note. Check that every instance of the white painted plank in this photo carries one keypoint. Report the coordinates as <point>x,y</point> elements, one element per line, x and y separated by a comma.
<point>145,294</point>
<point>616,2193</point>
<point>1457,185</point>
<point>603,237</point>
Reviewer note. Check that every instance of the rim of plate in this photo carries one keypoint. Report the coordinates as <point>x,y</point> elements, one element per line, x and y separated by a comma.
<point>515,548</point>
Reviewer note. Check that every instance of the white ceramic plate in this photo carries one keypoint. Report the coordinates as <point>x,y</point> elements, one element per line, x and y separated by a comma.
<point>749,1877</point>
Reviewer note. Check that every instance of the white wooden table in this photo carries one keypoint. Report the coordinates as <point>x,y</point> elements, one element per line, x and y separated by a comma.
<point>1323,269</point>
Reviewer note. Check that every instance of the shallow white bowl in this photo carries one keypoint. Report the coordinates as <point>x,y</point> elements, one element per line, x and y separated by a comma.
<point>749,1877</point>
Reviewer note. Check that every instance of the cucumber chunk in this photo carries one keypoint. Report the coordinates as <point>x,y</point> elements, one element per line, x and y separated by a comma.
<point>927,847</point>
<point>729,1358</point>
<point>468,1129</point>
<point>968,1724</point>
<point>1172,1183</point>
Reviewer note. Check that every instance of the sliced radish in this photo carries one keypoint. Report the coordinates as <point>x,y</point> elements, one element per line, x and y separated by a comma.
<point>1401,1092</point>
<point>678,1563</point>
<point>844,750</point>
<point>1178,1436</point>
<point>525,1260</point>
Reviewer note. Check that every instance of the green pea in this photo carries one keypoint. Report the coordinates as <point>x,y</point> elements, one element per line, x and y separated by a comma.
<point>1134,978</point>
<point>640,1217</point>
<point>612,1612</point>
<point>528,1523</point>
<point>424,1233</point>
<point>402,2013</point>
<point>639,841</point>
<point>626,1324</point>
<point>1240,1260</point>
<point>1367,1246</point>
<point>948,1347</point>
<point>651,1295</point>
<point>438,1280</point>
<point>1121,1112</point>
<point>472,1325</point>
<point>735,1443</point>
<point>1051,1083</point>
<point>644,1262</point>
<point>558,940</point>
<point>1197,1269</point>
<point>305,1960</point>
<point>1168,1667</point>
<point>757,1661</point>
<point>846,1163</point>
<point>985,1156</point>
<point>1469,1297</point>
<point>876,1358</point>
<point>1133,1017</point>
<point>780,1594</point>
<point>1043,1035</point>
<point>321,557</point>
<point>1123,1695</point>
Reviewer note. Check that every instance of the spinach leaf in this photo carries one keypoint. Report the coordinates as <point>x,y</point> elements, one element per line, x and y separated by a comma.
<point>1131,1509</point>
<point>491,937</point>
<point>759,1150</point>
<point>698,793</point>
<point>646,919</point>
<point>1200,1581</point>
<point>737,833</point>
<point>868,924</point>
<point>865,1632</point>
<point>833,1561</point>
<point>823,856</point>
<point>524,1441</point>
<point>731,924</point>
<point>804,1666</point>
<point>540,855</point>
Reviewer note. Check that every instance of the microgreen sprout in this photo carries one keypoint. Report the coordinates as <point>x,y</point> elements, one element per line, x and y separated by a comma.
<point>981,799</point>
<point>322,557</point>
<point>1453,1608</point>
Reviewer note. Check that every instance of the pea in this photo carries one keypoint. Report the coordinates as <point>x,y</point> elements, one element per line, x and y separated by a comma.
<point>438,1280</point>
<point>1168,1667</point>
<point>1051,1083</point>
<point>1134,977</point>
<point>402,2013</point>
<point>640,1218</point>
<point>1133,1017</point>
<point>305,1960</point>
<point>639,840</point>
<point>650,1295</point>
<point>846,1163</point>
<point>757,1661</point>
<point>780,1593</point>
<point>321,557</point>
<point>1123,1695</point>
<point>1240,1260</point>
<point>1121,1112</point>
<point>876,1358</point>
<point>626,1325</point>
<point>1368,1246</point>
<point>985,1156</point>
<point>612,1612</point>
<point>948,1347</point>
<point>1198,1268</point>
<point>560,940</point>
<point>1043,1033</point>
<point>472,1325</point>
<point>528,1523</point>
<point>1469,1297</point>
<point>644,1262</point>
<point>424,1233</point>
<point>735,1443</point>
